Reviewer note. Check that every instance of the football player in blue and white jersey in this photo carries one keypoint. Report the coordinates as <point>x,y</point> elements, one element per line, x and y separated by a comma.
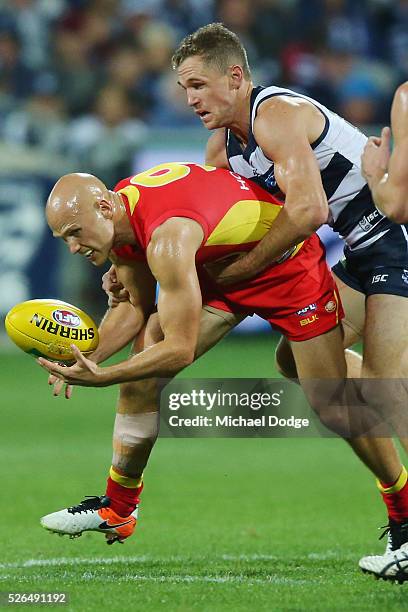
<point>300,150</point>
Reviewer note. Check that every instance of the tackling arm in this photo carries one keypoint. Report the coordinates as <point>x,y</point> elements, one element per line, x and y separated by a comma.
<point>284,130</point>
<point>387,174</point>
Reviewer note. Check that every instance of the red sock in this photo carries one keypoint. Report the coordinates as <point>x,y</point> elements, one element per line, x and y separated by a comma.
<point>123,499</point>
<point>396,502</point>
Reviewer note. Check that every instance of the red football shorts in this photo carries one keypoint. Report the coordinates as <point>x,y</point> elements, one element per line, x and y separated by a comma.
<point>298,297</point>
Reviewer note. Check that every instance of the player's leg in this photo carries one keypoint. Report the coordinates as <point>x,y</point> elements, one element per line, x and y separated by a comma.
<point>384,366</point>
<point>135,432</point>
<point>328,362</point>
<point>137,419</point>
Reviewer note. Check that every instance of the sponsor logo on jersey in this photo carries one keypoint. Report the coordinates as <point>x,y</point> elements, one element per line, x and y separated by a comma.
<point>379,278</point>
<point>309,320</point>
<point>331,306</point>
<point>66,317</point>
<point>366,222</point>
<point>306,309</point>
<point>241,181</point>
<point>404,276</point>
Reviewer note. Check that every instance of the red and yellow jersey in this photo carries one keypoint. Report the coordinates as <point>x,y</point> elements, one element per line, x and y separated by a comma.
<point>234,213</point>
<point>298,296</point>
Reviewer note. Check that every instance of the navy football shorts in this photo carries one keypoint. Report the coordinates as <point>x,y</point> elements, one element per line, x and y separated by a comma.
<point>381,268</point>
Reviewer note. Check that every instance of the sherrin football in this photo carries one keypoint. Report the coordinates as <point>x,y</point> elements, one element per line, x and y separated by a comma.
<point>47,328</point>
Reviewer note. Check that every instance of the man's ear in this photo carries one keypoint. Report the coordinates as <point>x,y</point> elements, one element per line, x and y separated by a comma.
<point>105,208</point>
<point>236,76</point>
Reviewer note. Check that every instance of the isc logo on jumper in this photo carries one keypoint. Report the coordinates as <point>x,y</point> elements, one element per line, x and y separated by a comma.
<point>366,222</point>
<point>306,309</point>
<point>66,318</point>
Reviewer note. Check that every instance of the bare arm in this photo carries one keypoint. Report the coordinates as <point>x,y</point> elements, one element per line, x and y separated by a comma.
<point>284,130</point>
<point>385,172</point>
<point>121,324</point>
<point>171,257</point>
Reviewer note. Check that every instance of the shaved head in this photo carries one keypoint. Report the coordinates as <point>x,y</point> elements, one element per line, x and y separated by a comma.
<point>80,210</point>
<point>73,193</point>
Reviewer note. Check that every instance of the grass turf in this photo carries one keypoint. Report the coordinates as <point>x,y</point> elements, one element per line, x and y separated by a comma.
<point>225,524</point>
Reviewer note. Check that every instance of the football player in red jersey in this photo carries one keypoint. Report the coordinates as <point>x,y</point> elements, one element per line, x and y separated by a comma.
<point>164,225</point>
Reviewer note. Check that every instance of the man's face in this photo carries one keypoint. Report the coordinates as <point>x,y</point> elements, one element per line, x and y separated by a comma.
<point>89,232</point>
<point>210,93</point>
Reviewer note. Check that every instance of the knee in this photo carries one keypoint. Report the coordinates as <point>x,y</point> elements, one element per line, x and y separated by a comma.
<point>386,396</point>
<point>138,397</point>
<point>327,399</point>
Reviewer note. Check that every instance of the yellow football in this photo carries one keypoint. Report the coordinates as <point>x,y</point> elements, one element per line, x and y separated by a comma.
<point>47,328</point>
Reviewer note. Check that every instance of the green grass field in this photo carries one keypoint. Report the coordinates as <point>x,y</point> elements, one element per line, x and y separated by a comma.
<point>226,524</point>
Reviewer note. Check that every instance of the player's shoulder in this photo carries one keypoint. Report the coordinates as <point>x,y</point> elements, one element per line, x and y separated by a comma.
<point>122,183</point>
<point>279,109</point>
<point>215,154</point>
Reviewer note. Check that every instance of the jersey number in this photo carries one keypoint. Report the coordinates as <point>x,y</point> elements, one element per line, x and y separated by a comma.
<point>163,174</point>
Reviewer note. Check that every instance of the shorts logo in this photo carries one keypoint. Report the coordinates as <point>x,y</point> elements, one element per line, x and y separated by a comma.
<point>309,320</point>
<point>404,276</point>
<point>306,309</point>
<point>379,278</point>
<point>331,306</point>
<point>66,317</point>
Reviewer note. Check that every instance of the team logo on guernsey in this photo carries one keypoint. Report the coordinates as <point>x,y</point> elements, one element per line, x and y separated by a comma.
<point>330,306</point>
<point>306,309</point>
<point>404,276</point>
<point>66,317</point>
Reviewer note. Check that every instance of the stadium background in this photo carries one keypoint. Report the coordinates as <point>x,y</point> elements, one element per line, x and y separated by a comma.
<point>226,524</point>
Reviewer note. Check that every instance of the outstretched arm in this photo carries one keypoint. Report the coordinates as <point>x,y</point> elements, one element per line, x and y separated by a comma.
<point>284,130</point>
<point>171,257</point>
<point>386,172</point>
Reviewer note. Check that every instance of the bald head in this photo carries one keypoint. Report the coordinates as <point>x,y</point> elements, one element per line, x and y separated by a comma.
<point>73,193</point>
<point>80,210</point>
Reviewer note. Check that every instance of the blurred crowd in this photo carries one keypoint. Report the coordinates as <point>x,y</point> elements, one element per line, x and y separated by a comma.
<point>87,79</point>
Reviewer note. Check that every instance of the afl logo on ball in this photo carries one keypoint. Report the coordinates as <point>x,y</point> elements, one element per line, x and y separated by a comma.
<point>330,306</point>
<point>66,318</point>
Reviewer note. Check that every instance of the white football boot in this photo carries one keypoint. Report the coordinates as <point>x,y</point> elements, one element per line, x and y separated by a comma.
<point>91,514</point>
<point>392,566</point>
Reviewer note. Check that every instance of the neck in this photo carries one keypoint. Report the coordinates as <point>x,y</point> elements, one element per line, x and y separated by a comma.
<point>240,122</point>
<point>124,233</point>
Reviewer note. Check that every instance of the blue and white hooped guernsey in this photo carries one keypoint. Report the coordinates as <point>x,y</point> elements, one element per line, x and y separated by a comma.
<point>338,150</point>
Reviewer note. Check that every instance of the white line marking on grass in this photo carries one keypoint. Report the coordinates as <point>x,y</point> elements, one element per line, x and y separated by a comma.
<point>146,559</point>
<point>171,579</point>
